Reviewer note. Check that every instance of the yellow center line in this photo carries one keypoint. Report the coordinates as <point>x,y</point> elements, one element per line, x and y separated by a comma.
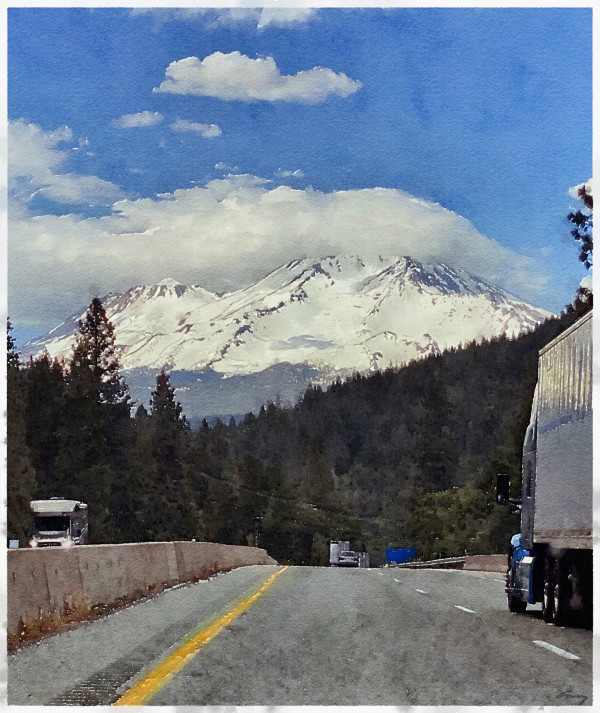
<point>141,692</point>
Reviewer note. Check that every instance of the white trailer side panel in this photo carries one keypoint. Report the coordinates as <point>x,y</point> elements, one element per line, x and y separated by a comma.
<point>563,486</point>
<point>335,548</point>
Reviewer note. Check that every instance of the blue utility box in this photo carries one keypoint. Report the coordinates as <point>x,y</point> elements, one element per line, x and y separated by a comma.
<point>399,556</point>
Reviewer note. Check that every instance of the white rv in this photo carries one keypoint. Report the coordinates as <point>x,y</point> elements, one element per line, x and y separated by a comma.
<point>59,523</point>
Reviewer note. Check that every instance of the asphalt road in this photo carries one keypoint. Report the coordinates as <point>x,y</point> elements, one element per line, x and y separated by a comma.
<point>317,636</point>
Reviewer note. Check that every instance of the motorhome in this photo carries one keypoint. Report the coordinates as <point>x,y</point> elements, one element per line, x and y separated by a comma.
<point>59,523</point>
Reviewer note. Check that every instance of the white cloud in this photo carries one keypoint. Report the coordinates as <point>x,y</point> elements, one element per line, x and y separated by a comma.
<point>222,166</point>
<point>588,185</point>
<point>208,131</point>
<point>283,173</point>
<point>35,160</point>
<point>261,17</point>
<point>134,121</point>
<point>83,143</point>
<point>232,231</point>
<point>234,76</point>
<point>285,16</point>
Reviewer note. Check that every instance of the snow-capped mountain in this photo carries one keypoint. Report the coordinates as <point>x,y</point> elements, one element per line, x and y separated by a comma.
<point>336,314</point>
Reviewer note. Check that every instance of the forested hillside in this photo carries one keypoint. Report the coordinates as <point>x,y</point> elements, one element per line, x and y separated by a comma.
<point>403,457</point>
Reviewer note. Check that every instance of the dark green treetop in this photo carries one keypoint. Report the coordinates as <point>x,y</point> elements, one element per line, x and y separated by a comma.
<point>583,230</point>
<point>94,355</point>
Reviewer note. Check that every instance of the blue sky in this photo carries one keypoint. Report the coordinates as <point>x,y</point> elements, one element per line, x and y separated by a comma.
<point>213,146</point>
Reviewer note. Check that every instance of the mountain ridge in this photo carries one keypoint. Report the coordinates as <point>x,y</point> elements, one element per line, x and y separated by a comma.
<point>337,314</point>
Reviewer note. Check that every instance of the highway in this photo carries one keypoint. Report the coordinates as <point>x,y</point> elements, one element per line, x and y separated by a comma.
<point>266,635</point>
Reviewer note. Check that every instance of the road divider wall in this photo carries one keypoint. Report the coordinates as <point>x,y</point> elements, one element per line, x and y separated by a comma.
<point>53,583</point>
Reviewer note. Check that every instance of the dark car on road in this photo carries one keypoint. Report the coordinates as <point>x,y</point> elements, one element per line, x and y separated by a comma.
<point>348,559</point>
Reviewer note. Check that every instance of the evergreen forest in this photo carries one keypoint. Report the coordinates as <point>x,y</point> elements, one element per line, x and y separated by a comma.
<point>403,457</point>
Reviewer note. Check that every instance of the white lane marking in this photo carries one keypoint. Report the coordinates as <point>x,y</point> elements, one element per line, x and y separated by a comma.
<point>556,650</point>
<point>416,590</point>
<point>469,611</point>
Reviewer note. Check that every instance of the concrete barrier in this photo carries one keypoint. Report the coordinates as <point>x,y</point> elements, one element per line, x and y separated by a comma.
<point>486,563</point>
<point>49,581</point>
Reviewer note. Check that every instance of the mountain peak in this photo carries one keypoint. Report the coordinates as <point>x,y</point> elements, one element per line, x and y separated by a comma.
<point>337,314</point>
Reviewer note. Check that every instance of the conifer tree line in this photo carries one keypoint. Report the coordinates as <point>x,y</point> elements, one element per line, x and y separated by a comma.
<point>405,457</point>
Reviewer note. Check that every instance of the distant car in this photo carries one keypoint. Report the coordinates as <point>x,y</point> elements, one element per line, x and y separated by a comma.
<point>348,559</point>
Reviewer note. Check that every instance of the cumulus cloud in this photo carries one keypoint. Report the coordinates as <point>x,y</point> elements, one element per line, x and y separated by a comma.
<point>231,232</point>
<point>208,131</point>
<point>36,165</point>
<point>234,76</point>
<point>134,121</point>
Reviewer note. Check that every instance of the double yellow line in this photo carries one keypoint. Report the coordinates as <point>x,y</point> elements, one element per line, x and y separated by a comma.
<point>142,691</point>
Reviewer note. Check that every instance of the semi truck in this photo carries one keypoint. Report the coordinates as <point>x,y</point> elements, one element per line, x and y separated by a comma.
<point>59,523</point>
<point>550,560</point>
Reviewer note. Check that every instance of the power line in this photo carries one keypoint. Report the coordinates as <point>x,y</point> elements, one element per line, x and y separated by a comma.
<point>339,513</point>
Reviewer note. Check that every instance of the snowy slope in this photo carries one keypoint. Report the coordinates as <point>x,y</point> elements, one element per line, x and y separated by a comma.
<point>338,314</point>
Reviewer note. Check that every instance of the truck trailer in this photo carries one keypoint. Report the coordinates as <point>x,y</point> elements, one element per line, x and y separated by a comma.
<point>59,523</point>
<point>550,560</point>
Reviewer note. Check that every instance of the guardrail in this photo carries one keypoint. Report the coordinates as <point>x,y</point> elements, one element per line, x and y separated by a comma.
<point>481,563</point>
<point>441,563</point>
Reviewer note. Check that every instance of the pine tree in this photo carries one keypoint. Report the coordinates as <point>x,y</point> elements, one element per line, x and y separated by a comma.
<point>178,517</point>
<point>96,410</point>
<point>167,412</point>
<point>12,355</point>
<point>94,355</point>
<point>45,402</point>
<point>139,509</point>
<point>583,230</point>
<point>21,483</point>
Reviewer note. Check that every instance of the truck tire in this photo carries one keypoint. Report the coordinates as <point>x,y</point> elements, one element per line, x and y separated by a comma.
<point>586,586</point>
<point>560,595</point>
<point>548,595</point>
<point>515,605</point>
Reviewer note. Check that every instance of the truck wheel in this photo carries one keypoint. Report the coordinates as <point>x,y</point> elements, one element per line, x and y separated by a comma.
<point>586,590</point>
<point>548,595</point>
<point>516,606</point>
<point>560,595</point>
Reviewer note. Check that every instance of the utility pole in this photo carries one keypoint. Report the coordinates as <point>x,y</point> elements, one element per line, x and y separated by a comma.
<point>257,529</point>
